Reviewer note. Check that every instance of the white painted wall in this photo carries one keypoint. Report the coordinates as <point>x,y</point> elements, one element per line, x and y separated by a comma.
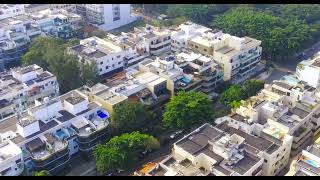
<point>29,129</point>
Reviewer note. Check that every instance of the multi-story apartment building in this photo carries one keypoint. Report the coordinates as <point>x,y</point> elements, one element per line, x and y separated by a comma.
<point>292,106</point>
<point>11,10</point>
<point>11,160</point>
<point>308,162</point>
<point>16,34</point>
<point>136,48</point>
<point>237,56</point>
<point>58,22</point>
<point>32,8</point>
<point>158,39</point>
<point>180,36</point>
<point>53,130</point>
<point>103,95</point>
<point>107,16</point>
<point>107,55</point>
<point>20,86</point>
<point>249,121</point>
<point>186,71</point>
<point>145,87</point>
<point>220,151</point>
<point>309,71</point>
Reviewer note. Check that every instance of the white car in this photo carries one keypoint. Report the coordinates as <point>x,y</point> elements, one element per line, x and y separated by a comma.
<point>172,136</point>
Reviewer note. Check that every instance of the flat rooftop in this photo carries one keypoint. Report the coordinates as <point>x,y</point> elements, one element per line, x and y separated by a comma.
<point>8,150</point>
<point>75,99</point>
<point>256,142</point>
<point>283,85</point>
<point>111,97</point>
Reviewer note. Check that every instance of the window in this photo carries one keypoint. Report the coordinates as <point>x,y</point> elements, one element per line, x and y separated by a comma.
<point>113,65</point>
<point>277,155</point>
<point>100,69</point>
<point>266,161</point>
<point>119,63</point>
<point>46,84</point>
<point>196,47</point>
<point>107,67</point>
<point>75,147</point>
<point>118,56</point>
<point>101,63</point>
<point>205,50</point>
<point>52,82</point>
<point>4,172</point>
<point>277,163</point>
<point>18,161</point>
<point>284,150</point>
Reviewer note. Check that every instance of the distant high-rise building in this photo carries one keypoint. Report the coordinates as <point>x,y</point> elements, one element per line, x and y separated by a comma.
<point>107,16</point>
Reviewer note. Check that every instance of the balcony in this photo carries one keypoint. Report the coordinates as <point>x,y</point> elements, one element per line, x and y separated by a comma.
<point>51,153</point>
<point>91,132</point>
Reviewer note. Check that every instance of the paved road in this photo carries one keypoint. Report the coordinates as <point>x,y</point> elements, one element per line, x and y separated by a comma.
<point>293,62</point>
<point>81,167</point>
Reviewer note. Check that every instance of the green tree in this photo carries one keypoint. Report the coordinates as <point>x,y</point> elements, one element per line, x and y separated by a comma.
<point>252,87</point>
<point>280,37</point>
<point>50,53</point>
<point>123,151</point>
<point>90,75</point>
<point>130,116</point>
<point>199,13</point>
<point>42,173</point>
<point>232,95</point>
<point>186,110</point>
<point>305,12</point>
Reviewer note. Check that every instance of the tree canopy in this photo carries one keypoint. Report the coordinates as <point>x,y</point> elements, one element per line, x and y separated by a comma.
<point>188,109</point>
<point>130,116</point>
<point>305,12</point>
<point>123,151</point>
<point>280,37</point>
<point>42,173</point>
<point>50,54</point>
<point>234,94</point>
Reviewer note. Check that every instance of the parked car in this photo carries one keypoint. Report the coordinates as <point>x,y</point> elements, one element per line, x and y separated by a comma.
<point>175,134</point>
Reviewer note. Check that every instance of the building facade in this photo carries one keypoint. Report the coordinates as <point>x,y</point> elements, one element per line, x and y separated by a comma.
<point>20,87</point>
<point>108,16</point>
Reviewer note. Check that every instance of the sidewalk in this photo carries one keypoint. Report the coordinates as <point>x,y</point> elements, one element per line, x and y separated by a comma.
<point>81,167</point>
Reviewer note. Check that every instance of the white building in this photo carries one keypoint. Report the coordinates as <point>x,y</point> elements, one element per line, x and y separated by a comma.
<point>53,130</point>
<point>108,56</point>
<point>185,71</point>
<point>11,159</point>
<point>238,56</point>
<point>159,39</point>
<point>136,48</point>
<point>32,8</point>
<point>57,22</point>
<point>16,34</point>
<point>109,16</point>
<point>216,151</point>
<point>308,163</point>
<point>185,31</point>
<point>309,71</point>
<point>11,10</point>
<point>276,156</point>
<point>21,86</point>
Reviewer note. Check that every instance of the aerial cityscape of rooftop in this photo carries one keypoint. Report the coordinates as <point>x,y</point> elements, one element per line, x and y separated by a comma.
<point>159,89</point>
